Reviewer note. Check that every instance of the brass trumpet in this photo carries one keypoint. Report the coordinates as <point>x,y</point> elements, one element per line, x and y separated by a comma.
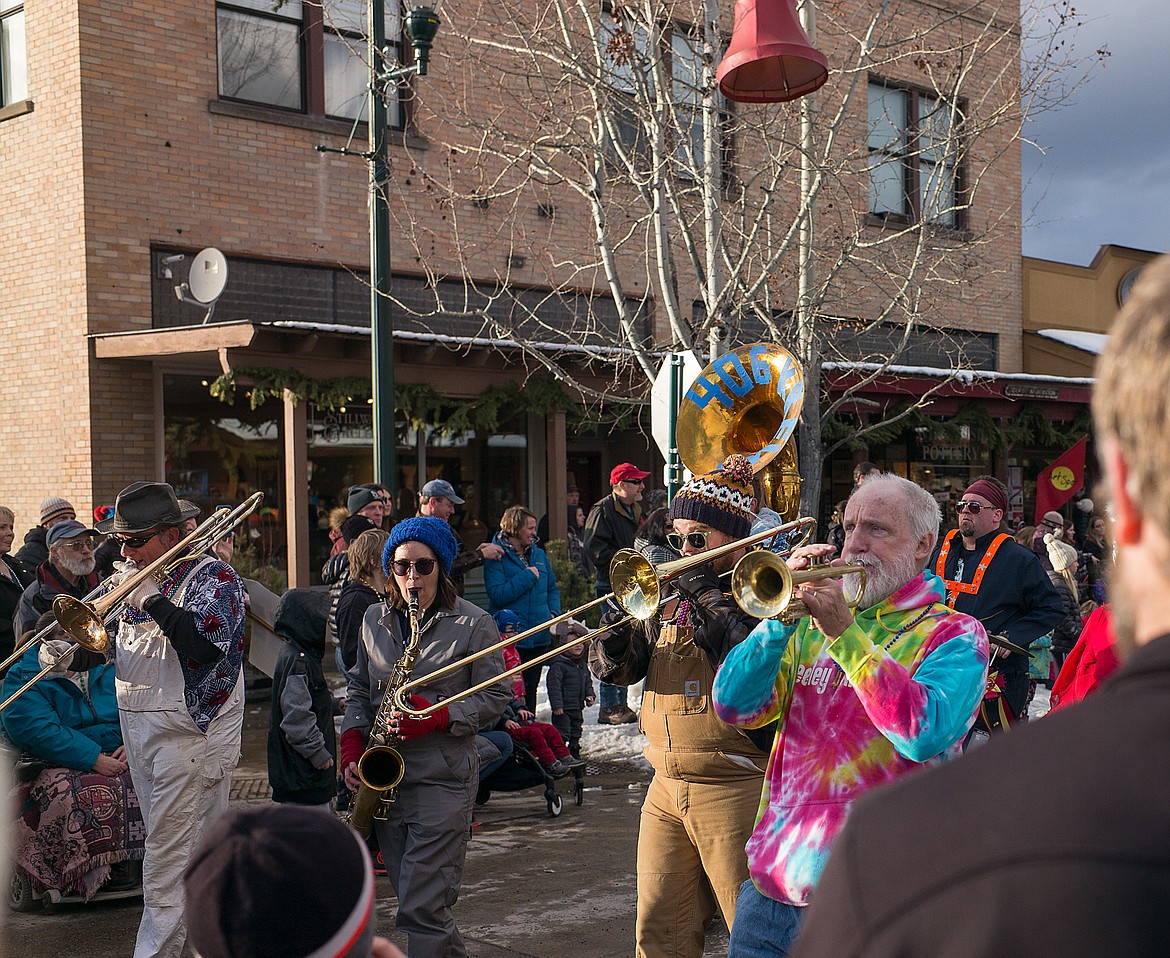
<point>637,589</point>
<point>764,587</point>
<point>84,622</point>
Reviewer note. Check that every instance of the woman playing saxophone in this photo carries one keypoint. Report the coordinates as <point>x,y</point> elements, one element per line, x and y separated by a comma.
<point>423,837</point>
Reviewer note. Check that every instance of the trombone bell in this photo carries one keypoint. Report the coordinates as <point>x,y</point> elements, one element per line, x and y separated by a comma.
<point>81,623</point>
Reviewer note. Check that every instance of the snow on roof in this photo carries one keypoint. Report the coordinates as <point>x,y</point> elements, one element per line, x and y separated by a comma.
<point>1087,342</point>
<point>960,375</point>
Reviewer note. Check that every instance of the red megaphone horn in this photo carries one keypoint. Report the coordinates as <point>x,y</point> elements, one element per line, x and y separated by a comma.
<point>769,59</point>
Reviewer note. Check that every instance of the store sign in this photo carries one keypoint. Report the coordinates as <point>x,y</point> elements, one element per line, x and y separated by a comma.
<point>959,452</point>
<point>330,427</point>
<point>1019,391</point>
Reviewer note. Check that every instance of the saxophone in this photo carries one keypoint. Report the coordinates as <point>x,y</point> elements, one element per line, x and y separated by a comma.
<point>381,766</point>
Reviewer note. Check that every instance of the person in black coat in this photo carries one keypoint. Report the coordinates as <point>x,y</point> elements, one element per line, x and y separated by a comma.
<point>570,690</point>
<point>15,576</point>
<point>1054,840</point>
<point>302,742</point>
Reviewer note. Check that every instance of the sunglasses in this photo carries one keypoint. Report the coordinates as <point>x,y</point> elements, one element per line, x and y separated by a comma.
<point>423,567</point>
<point>696,540</point>
<point>81,545</point>
<point>634,482</point>
<point>134,542</point>
<point>972,507</point>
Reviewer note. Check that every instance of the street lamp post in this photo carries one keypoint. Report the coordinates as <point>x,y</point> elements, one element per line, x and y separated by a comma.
<point>422,23</point>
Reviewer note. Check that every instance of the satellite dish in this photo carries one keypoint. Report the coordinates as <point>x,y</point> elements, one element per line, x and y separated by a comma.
<point>206,280</point>
<point>208,276</point>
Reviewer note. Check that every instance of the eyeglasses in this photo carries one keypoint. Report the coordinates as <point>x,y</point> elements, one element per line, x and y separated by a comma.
<point>79,545</point>
<point>634,482</point>
<point>135,542</point>
<point>972,507</point>
<point>696,540</point>
<point>423,567</point>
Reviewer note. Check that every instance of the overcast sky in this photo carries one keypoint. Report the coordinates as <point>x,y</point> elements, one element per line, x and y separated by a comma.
<point>1105,174</point>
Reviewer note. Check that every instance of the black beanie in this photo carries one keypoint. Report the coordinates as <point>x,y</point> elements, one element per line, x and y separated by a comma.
<point>282,881</point>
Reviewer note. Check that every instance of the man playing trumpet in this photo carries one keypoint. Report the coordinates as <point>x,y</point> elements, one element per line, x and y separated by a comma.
<point>859,701</point>
<point>702,800</point>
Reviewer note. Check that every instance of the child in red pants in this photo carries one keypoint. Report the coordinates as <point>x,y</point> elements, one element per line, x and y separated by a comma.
<point>541,739</point>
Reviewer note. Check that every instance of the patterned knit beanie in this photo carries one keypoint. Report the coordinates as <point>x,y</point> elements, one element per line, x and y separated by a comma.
<point>56,508</point>
<point>430,531</point>
<point>723,499</point>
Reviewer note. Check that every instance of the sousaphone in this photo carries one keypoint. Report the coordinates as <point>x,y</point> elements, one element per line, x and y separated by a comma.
<point>747,401</point>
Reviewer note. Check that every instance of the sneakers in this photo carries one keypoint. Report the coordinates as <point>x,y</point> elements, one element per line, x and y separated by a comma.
<point>570,762</point>
<point>616,715</point>
<point>557,769</point>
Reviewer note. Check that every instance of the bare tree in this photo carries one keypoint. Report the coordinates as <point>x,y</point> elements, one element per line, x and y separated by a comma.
<point>604,160</point>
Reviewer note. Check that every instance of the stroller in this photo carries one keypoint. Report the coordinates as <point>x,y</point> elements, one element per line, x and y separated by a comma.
<point>522,771</point>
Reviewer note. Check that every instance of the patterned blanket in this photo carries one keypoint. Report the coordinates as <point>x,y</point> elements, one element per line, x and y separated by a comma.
<point>72,826</point>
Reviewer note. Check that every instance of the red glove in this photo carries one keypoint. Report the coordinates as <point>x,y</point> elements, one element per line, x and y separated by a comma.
<point>437,721</point>
<point>353,743</point>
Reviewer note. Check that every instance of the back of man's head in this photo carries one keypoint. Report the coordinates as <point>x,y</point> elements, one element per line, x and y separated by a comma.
<point>1131,399</point>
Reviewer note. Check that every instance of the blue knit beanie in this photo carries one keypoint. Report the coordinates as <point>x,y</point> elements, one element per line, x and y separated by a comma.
<point>505,618</point>
<point>428,530</point>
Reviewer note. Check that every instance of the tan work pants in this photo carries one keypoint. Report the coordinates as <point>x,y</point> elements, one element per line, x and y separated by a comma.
<point>691,842</point>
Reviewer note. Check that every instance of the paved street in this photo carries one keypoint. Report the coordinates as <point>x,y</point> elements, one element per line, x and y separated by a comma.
<point>533,886</point>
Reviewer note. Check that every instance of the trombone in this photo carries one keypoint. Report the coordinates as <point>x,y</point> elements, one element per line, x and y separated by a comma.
<point>84,622</point>
<point>637,590</point>
<point>764,587</point>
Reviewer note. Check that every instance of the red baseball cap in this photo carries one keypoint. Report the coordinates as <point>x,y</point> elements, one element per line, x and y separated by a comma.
<point>623,472</point>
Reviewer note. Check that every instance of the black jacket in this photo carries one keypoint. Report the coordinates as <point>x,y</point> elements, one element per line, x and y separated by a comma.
<point>300,621</point>
<point>10,593</point>
<point>36,547</point>
<point>609,528</point>
<point>1053,840</point>
<point>1066,631</point>
<point>568,682</point>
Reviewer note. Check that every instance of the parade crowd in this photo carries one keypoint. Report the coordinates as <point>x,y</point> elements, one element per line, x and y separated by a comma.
<point>855,774</point>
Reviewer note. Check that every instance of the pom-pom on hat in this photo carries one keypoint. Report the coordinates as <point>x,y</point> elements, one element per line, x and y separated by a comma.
<point>723,499</point>
<point>1060,554</point>
<point>428,530</point>
<point>252,888</point>
<point>56,508</point>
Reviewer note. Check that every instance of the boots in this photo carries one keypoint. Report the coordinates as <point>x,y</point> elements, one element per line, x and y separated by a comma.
<point>616,715</point>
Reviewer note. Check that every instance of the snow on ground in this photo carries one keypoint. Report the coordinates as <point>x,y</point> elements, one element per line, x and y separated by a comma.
<point>604,743</point>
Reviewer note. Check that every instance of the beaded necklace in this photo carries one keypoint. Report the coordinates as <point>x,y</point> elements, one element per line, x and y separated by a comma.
<point>905,628</point>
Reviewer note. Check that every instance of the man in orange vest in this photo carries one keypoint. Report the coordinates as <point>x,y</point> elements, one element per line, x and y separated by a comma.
<point>992,577</point>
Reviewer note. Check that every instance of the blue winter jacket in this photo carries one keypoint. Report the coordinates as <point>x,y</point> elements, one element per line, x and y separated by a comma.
<point>511,586</point>
<point>55,722</point>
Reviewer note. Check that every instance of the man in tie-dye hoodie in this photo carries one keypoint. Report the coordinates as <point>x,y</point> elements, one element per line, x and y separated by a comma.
<point>861,701</point>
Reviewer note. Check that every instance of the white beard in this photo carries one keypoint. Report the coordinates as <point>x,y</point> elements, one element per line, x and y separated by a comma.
<point>881,581</point>
<point>77,567</point>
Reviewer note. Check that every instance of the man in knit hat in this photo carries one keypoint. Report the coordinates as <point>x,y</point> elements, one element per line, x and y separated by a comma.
<point>1003,584</point>
<point>286,882</point>
<point>1051,523</point>
<point>702,799</point>
<point>862,696</point>
<point>36,548</point>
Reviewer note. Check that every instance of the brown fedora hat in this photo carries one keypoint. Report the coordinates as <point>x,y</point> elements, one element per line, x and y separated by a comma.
<point>143,506</point>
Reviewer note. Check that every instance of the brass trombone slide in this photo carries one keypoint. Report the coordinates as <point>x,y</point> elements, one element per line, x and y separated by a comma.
<point>637,590</point>
<point>85,622</point>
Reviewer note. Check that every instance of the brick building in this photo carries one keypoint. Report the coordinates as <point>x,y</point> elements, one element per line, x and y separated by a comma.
<point>133,135</point>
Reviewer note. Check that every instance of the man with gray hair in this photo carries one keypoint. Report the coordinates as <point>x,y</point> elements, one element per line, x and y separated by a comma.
<point>69,569</point>
<point>861,700</point>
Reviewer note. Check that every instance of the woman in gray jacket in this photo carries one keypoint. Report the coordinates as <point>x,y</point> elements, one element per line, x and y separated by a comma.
<point>424,838</point>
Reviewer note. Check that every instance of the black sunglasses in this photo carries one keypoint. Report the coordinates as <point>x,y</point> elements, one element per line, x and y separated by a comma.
<point>402,567</point>
<point>696,540</point>
<point>972,507</point>
<point>635,482</point>
<point>135,542</point>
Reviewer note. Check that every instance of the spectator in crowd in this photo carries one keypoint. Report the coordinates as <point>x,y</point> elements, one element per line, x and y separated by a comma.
<point>283,880</point>
<point>575,543</point>
<point>438,499</point>
<point>570,692</point>
<point>365,586</point>
<point>337,516</point>
<point>1067,630</point>
<point>572,500</point>
<point>540,738</point>
<point>1093,659</point>
<point>335,574</point>
<point>364,501</point>
<point>68,570</point>
<point>651,539</point>
<point>612,525</point>
<point>424,838</point>
<point>15,577</point>
<point>864,470</point>
<point>302,742</point>
<point>1055,842</point>
<point>863,697</point>
<point>35,550</point>
<point>1098,555</point>
<point>523,581</point>
<point>1052,523</point>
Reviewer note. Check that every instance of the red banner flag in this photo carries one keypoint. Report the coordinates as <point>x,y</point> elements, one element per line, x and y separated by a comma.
<point>1060,481</point>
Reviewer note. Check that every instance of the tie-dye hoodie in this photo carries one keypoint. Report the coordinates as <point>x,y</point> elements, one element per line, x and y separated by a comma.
<point>897,688</point>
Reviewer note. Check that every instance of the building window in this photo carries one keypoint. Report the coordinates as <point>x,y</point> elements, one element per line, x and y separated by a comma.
<point>13,59</point>
<point>306,57</point>
<point>914,169</point>
<point>629,64</point>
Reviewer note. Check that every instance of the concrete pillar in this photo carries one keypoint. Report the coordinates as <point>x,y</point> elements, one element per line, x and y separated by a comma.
<point>556,455</point>
<point>296,490</point>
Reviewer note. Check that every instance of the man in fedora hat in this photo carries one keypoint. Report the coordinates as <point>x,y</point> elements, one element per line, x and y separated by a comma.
<point>179,648</point>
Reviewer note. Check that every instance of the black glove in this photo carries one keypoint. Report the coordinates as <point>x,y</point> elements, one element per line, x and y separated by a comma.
<point>694,582</point>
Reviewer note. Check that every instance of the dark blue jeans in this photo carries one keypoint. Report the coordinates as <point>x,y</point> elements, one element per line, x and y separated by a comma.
<point>610,695</point>
<point>764,928</point>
